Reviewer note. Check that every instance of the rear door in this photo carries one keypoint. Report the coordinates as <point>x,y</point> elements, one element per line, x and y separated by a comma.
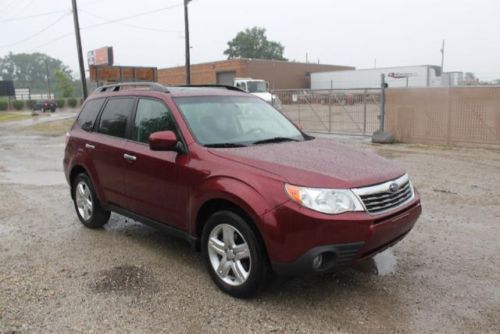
<point>151,177</point>
<point>107,145</point>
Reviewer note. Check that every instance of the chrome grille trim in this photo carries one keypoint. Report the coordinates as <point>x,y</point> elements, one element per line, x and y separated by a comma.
<point>378,199</point>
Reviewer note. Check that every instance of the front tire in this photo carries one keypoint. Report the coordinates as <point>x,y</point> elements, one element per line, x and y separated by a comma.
<point>234,256</point>
<point>87,206</point>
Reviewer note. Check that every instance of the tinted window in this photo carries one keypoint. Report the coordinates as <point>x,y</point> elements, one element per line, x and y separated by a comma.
<point>151,116</point>
<point>115,117</point>
<point>88,115</point>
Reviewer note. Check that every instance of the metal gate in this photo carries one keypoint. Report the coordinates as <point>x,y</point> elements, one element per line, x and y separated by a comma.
<point>348,111</point>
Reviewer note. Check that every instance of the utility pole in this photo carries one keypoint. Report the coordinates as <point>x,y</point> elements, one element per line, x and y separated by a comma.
<point>442,57</point>
<point>186,33</point>
<point>79,48</point>
<point>48,78</point>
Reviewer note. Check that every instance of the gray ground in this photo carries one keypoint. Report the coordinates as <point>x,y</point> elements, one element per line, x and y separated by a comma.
<point>57,276</point>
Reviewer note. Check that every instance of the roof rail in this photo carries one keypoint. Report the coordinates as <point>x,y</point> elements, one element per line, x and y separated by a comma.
<point>228,87</point>
<point>118,86</point>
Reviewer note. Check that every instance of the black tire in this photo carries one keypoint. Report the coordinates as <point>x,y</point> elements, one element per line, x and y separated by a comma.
<point>53,110</point>
<point>258,270</point>
<point>98,216</point>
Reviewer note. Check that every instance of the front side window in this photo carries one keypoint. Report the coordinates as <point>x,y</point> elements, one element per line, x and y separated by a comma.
<point>151,116</point>
<point>238,120</point>
<point>115,117</point>
<point>88,115</point>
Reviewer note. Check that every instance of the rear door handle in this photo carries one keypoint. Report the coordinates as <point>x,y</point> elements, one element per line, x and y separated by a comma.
<point>89,146</point>
<point>129,157</point>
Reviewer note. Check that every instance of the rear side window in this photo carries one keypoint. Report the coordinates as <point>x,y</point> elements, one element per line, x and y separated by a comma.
<point>88,115</point>
<point>151,116</point>
<point>116,116</point>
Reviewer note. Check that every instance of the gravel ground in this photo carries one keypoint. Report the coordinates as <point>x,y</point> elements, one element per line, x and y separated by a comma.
<point>57,276</point>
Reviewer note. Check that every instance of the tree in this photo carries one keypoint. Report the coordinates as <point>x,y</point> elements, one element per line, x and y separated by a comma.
<point>253,43</point>
<point>29,70</point>
<point>470,78</point>
<point>64,83</point>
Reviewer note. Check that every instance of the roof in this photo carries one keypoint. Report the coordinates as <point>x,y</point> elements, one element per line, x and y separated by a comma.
<point>153,87</point>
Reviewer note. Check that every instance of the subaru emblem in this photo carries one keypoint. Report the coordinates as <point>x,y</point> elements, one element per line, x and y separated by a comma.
<point>393,187</point>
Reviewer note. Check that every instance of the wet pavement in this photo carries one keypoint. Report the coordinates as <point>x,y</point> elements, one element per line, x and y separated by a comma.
<point>57,276</point>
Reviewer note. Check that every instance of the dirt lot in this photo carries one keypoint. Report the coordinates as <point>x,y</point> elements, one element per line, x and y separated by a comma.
<point>57,276</point>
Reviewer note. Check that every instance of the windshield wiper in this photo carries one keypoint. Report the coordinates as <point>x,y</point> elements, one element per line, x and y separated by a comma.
<point>225,145</point>
<point>273,140</point>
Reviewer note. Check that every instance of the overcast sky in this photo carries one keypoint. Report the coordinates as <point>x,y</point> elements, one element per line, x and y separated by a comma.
<point>340,32</point>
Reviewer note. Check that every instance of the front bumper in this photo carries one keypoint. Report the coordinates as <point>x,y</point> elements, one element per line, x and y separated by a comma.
<point>294,236</point>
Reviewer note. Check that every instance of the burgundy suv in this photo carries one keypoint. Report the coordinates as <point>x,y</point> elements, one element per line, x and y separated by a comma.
<point>233,176</point>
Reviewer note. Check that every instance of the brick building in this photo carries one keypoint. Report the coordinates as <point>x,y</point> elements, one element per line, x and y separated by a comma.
<point>280,74</point>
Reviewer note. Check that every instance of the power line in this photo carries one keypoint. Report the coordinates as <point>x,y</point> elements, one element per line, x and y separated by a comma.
<point>132,16</point>
<point>20,18</point>
<point>127,24</point>
<point>23,6</point>
<point>35,34</point>
<point>4,9</point>
<point>51,41</point>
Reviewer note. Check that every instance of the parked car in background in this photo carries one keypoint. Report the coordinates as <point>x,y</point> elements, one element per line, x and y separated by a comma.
<point>45,105</point>
<point>232,175</point>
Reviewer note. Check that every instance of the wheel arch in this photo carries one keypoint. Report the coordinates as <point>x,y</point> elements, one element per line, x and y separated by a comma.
<point>78,169</point>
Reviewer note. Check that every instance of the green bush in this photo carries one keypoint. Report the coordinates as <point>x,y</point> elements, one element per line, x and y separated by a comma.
<point>29,104</point>
<point>18,104</point>
<point>4,105</point>
<point>60,103</point>
<point>72,102</point>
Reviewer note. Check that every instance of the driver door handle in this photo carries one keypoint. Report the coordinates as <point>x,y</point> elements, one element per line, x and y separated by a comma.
<point>89,146</point>
<point>129,157</point>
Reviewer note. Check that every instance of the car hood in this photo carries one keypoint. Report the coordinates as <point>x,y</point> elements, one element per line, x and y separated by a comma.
<point>318,163</point>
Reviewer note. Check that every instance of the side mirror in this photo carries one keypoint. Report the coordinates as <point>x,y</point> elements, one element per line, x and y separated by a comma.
<point>163,141</point>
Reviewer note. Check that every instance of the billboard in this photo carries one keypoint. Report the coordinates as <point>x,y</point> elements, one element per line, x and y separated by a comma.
<point>102,56</point>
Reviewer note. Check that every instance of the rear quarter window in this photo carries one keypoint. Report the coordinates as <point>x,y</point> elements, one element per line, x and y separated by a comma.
<point>88,115</point>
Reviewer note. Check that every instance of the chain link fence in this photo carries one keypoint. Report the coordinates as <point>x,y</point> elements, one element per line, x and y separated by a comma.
<point>347,111</point>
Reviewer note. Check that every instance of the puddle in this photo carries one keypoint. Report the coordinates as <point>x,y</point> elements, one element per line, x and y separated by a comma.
<point>41,178</point>
<point>5,230</point>
<point>382,264</point>
<point>124,279</point>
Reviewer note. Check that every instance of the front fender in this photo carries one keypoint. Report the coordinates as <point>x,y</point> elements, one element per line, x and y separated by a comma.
<point>236,191</point>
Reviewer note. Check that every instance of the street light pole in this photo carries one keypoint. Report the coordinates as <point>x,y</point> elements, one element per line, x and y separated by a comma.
<point>442,57</point>
<point>79,49</point>
<point>186,33</point>
<point>48,78</point>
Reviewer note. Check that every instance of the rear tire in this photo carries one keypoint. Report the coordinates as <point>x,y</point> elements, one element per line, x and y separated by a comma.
<point>234,255</point>
<point>87,206</point>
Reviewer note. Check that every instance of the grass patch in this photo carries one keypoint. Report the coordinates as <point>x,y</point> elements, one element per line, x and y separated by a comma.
<point>13,116</point>
<point>54,128</point>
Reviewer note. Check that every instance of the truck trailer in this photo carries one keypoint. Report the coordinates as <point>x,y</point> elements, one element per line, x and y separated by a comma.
<point>404,76</point>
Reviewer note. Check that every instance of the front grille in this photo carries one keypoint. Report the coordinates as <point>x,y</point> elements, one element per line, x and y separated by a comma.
<point>381,198</point>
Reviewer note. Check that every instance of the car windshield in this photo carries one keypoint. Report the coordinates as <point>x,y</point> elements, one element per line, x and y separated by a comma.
<point>229,121</point>
<point>256,86</point>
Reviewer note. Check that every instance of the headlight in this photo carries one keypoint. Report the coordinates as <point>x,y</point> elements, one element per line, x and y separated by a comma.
<point>330,201</point>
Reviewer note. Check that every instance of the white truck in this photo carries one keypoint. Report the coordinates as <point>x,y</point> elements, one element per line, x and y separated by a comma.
<point>257,87</point>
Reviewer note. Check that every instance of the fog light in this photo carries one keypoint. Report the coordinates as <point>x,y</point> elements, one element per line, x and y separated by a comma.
<point>317,261</point>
